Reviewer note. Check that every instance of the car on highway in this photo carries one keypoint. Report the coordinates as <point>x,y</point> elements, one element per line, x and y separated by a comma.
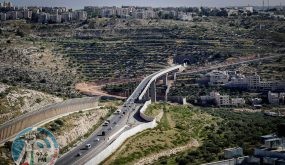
<point>118,112</point>
<point>97,139</point>
<point>79,154</point>
<point>106,123</point>
<point>88,146</point>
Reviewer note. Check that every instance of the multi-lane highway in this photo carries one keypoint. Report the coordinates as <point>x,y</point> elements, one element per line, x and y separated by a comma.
<point>118,123</point>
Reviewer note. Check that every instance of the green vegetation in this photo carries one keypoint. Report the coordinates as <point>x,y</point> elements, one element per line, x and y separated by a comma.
<point>236,129</point>
<point>179,126</point>
<point>154,109</point>
<point>270,70</point>
<point>9,110</point>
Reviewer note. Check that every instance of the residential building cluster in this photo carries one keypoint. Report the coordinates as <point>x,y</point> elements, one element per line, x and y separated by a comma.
<point>61,14</point>
<point>140,12</point>
<point>180,13</point>
<point>274,90</point>
<point>232,79</point>
<point>271,152</point>
<point>40,14</point>
<point>221,100</point>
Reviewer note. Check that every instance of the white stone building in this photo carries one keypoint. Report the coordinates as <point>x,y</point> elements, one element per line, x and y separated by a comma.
<point>185,16</point>
<point>253,82</point>
<point>28,14</point>
<point>273,98</point>
<point>3,16</point>
<point>66,17</point>
<point>249,9</point>
<point>237,101</point>
<point>55,18</point>
<point>82,15</point>
<point>221,100</point>
<point>218,77</point>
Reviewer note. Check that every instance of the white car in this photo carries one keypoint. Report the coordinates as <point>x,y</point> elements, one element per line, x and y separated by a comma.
<point>88,146</point>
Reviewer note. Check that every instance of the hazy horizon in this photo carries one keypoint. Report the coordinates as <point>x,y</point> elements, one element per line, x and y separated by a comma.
<point>149,3</point>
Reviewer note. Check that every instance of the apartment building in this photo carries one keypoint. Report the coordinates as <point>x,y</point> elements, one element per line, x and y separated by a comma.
<point>253,82</point>
<point>237,101</point>
<point>27,14</point>
<point>218,77</point>
<point>82,15</point>
<point>66,17</point>
<point>275,98</point>
<point>3,16</point>
<point>220,100</point>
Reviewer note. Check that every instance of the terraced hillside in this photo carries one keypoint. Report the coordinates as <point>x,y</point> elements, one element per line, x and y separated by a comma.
<point>112,49</point>
<point>140,52</point>
<point>53,58</point>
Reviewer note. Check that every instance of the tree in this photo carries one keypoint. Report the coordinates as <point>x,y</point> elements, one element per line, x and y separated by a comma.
<point>8,145</point>
<point>281,130</point>
<point>20,33</point>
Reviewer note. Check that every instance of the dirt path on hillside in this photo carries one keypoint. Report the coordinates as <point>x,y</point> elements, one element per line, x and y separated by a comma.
<point>93,89</point>
<point>152,158</point>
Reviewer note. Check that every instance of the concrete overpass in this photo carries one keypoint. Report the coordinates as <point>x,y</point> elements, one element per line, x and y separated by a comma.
<point>150,88</point>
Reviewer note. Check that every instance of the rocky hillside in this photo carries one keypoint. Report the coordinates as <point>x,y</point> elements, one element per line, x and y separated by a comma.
<point>28,61</point>
<point>15,101</point>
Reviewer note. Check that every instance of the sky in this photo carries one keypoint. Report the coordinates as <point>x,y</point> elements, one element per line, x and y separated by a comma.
<point>79,4</point>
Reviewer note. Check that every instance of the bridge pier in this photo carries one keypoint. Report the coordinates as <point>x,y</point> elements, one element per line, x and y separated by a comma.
<point>146,96</point>
<point>166,92</point>
<point>153,91</point>
<point>165,79</point>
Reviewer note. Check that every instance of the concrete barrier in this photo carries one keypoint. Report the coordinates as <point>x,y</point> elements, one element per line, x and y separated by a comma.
<point>12,127</point>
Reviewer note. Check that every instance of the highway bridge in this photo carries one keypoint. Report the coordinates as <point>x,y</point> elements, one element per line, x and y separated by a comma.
<point>128,118</point>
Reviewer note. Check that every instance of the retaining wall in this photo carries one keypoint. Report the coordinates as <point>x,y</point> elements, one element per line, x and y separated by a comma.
<point>12,127</point>
<point>143,109</point>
